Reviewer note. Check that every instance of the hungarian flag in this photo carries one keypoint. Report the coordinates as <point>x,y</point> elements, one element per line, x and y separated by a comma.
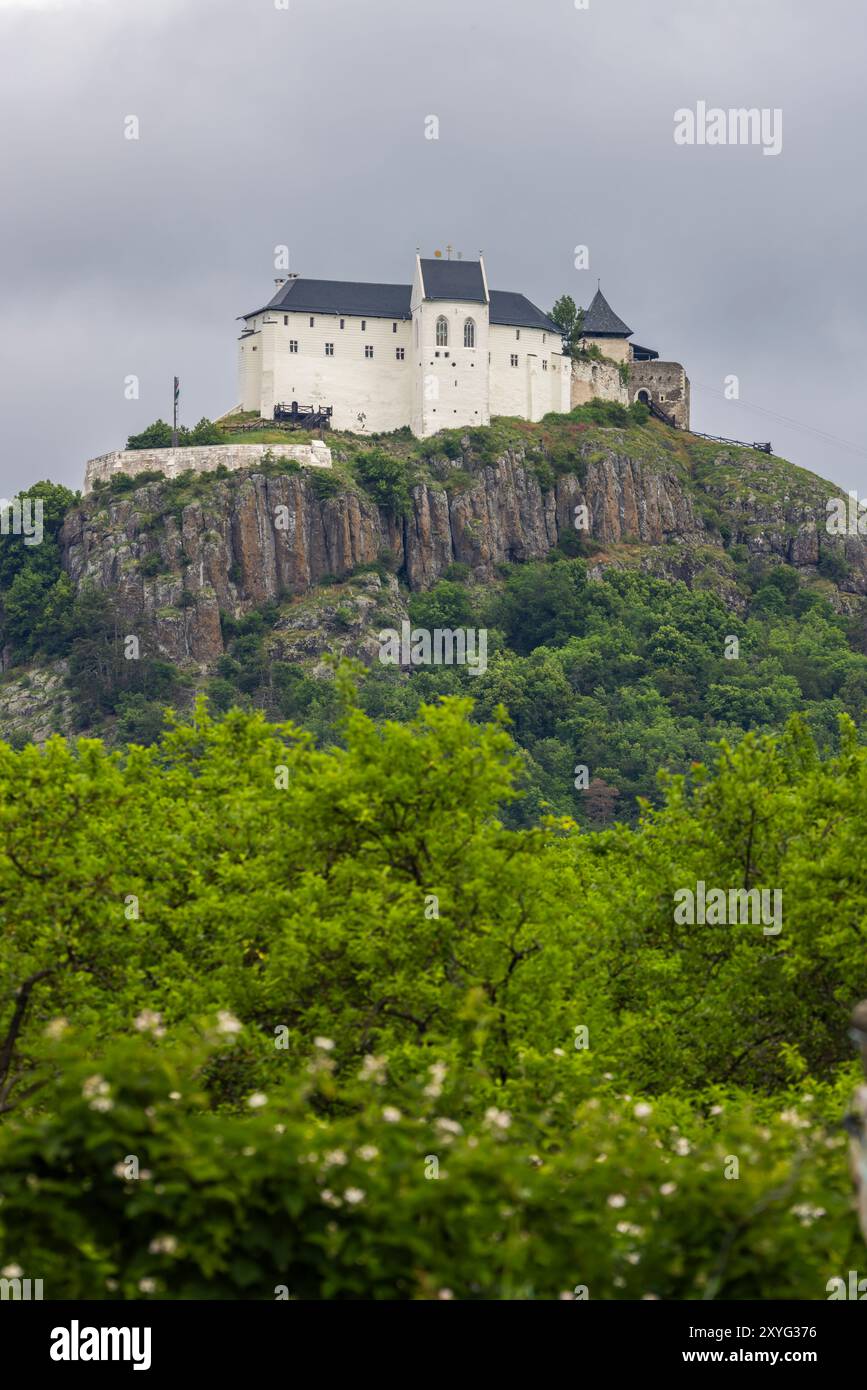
<point>177,389</point>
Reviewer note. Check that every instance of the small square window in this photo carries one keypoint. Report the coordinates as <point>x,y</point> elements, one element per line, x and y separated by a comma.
<point>293,344</point>
<point>544,364</point>
<point>400,354</point>
<point>368,351</point>
<point>514,359</point>
<point>329,349</point>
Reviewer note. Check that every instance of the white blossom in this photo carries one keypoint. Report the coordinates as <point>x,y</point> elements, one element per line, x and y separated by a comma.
<point>163,1245</point>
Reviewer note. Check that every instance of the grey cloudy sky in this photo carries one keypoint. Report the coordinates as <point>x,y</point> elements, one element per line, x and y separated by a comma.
<point>305,126</point>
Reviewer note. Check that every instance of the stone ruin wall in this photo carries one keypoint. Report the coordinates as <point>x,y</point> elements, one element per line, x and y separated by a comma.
<point>200,459</point>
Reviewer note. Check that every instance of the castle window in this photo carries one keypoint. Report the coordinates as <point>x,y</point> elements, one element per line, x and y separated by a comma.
<point>469,333</point>
<point>293,344</point>
<point>368,351</point>
<point>400,354</point>
<point>394,328</point>
<point>517,332</point>
<point>544,364</point>
<point>285,320</point>
<point>329,349</point>
<point>343,323</point>
<point>514,359</point>
<point>442,337</point>
<point>364,325</point>
<point>312,322</point>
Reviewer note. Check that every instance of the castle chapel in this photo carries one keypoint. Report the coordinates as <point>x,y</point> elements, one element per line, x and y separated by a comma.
<point>442,352</point>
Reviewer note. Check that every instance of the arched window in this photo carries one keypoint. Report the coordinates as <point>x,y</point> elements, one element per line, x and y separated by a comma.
<point>442,332</point>
<point>469,333</point>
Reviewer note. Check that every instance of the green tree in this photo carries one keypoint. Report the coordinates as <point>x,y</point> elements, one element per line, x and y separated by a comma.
<point>570,320</point>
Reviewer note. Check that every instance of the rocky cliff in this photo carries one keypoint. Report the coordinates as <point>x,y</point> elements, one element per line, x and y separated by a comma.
<point>261,538</point>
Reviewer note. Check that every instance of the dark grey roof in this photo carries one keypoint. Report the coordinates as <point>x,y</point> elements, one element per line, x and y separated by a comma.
<point>453,280</point>
<point>393,301</point>
<point>600,320</point>
<point>643,354</point>
<point>517,311</point>
<point>342,297</point>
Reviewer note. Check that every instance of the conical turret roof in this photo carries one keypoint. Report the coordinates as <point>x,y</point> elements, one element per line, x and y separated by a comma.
<point>600,320</point>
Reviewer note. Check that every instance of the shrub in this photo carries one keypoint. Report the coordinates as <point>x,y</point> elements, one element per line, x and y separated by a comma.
<point>383,478</point>
<point>833,565</point>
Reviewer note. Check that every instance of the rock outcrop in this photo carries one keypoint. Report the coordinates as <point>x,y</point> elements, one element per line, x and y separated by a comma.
<point>265,537</point>
<point>254,537</point>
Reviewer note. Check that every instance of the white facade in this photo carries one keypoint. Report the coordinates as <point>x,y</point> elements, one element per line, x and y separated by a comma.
<point>415,357</point>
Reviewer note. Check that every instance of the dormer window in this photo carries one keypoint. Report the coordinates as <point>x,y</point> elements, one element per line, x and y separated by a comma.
<point>442,337</point>
<point>469,333</point>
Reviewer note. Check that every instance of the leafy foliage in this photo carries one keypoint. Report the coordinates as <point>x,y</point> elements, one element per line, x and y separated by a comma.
<point>236,979</point>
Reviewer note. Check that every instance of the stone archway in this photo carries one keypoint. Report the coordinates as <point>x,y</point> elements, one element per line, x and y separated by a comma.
<point>643,395</point>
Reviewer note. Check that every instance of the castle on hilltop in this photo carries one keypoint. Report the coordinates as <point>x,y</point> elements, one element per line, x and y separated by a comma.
<point>445,351</point>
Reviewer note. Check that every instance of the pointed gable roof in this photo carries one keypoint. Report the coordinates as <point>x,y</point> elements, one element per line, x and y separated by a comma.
<point>453,280</point>
<point>600,320</point>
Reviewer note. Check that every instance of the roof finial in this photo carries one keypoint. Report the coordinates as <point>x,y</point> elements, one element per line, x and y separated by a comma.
<point>449,250</point>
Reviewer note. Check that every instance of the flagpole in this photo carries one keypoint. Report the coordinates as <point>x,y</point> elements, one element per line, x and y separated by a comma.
<point>175,417</point>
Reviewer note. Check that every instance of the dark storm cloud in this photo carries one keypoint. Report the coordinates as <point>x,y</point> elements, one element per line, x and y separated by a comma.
<point>261,126</point>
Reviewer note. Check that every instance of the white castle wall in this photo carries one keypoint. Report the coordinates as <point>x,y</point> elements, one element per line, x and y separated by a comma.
<point>453,380</point>
<point>426,389</point>
<point>201,459</point>
<point>378,387</point>
<point>531,389</point>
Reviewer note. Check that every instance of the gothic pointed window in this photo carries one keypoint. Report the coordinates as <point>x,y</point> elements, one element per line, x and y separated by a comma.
<point>469,333</point>
<point>442,332</point>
